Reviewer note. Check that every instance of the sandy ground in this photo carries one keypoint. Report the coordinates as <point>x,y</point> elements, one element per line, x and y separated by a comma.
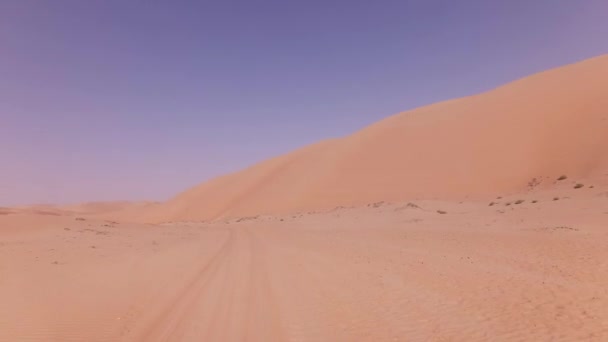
<point>382,272</point>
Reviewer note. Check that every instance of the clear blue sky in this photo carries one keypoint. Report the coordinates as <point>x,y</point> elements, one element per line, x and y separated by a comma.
<point>133,99</point>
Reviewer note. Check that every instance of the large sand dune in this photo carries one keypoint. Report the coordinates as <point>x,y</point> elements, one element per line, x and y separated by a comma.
<point>551,123</point>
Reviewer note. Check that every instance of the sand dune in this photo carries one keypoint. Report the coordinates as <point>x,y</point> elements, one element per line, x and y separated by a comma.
<point>98,210</point>
<point>531,130</point>
<point>6,211</point>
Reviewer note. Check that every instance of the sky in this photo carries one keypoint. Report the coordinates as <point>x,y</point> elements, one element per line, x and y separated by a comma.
<point>133,99</point>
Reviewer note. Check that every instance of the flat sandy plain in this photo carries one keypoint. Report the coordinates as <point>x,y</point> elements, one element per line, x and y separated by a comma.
<point>530,271</point>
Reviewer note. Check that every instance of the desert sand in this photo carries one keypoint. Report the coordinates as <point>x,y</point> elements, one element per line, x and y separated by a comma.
<point>446,223</point>
<point>530,271</point>
<point>538,127</point>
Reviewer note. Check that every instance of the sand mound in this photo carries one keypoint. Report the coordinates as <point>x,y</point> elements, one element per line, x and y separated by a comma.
<point>104,208</point>
<point>6,211</point>
<point>122,210</point>
<point>539,127</point>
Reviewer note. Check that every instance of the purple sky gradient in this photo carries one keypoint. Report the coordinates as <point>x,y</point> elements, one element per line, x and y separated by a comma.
<point>133,99</point>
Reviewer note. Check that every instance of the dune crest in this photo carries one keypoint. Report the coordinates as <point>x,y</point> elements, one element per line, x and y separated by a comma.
<point>539,127</point>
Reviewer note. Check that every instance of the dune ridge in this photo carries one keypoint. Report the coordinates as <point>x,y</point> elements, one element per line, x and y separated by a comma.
<point>530,130</point>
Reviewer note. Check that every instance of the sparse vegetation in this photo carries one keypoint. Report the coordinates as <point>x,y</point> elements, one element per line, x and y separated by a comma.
<point>558,228</point>
<point>377,204</point>
<point>508,204</point>
<point>247,218</point>
<point>533,183</point>
<point>579,185</point>
<point>80,219</point>
<point>562,177</point>
<point>442,212</point>
<point>409,205</point>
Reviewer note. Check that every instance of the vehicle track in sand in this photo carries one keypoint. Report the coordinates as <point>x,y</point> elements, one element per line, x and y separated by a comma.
<point>228,299</point>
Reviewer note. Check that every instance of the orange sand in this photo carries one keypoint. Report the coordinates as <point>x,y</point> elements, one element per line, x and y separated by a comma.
<point>518,272</point>
<point>539,127</point>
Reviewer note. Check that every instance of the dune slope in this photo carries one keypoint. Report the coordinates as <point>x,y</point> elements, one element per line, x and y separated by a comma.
<point>538,127</point>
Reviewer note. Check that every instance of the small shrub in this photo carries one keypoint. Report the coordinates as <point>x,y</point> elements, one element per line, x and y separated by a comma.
<point>508,204</point>
<point>491,204</point>
<point>519,201</point>
<point>412,205</point>
<point>533,183</point>
<point>442,212</point>
<point>499,197</point>
<point>562,177</point>
<point>578,186</point>
<point>80,219</point>
<point>534,201</point>
<point>556,198</point>
<point>377,204</point>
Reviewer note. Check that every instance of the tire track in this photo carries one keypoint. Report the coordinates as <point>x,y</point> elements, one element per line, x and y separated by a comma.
<point>264,314</point>
<point>230,299</point>
<point>245,310</point>
<point>170,318</point>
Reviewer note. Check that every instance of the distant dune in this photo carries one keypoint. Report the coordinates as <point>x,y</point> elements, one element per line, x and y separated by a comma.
<point>6,211</point>
<point>539,127</point>
<point>101,210</point>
